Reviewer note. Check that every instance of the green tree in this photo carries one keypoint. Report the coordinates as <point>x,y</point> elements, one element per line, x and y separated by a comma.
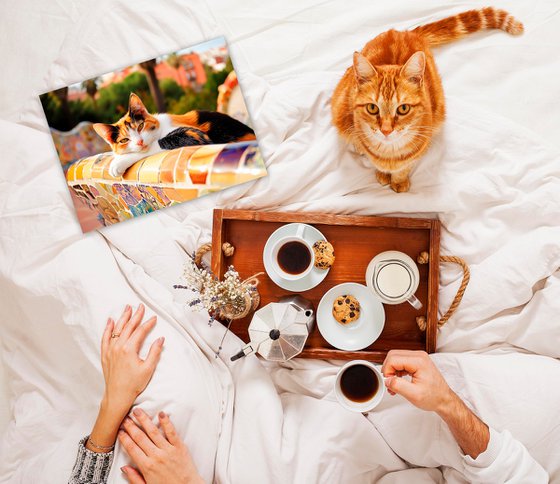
<point>171,90</point>
<point>149,68</point>
<point>205,99</point>
<point>112,100</point>
<point>62,96</point>
<point>107,104</point>
<point>91,88</point>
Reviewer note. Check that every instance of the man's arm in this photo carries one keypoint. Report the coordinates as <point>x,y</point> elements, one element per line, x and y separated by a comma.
<point>428,390</point>
<point>471,433</point>
<point>489,456</point>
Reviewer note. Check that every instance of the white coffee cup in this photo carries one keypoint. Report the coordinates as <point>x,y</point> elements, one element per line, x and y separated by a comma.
<point>362,406</point>
<point>394,277</point>
<point>298,237</point>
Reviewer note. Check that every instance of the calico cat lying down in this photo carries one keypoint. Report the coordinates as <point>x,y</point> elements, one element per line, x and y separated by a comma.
<point>139,134</point>
<point>390,103</point>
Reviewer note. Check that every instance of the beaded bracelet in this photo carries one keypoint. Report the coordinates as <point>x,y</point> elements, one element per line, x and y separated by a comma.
<point>100,447</point>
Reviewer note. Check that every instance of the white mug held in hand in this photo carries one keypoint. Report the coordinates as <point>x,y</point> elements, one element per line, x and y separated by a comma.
<point>394,277</point>
<point>292,256</point>
<point>359,386</point>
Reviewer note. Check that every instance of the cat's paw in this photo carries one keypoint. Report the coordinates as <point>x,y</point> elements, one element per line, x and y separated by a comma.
<point>383,178</point>
<point>402,186</point>
<point>116,169</point>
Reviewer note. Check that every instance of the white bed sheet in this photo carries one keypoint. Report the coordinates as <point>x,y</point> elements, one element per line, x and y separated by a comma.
<point>492,177</point>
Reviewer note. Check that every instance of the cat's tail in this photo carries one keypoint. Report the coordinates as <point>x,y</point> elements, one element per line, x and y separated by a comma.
<point>458,26</point>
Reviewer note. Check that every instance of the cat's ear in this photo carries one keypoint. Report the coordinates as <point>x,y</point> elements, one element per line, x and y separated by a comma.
<point>413,70</point>
<point>136,106</point>
<point>106,131</point>
<point>363,70</point>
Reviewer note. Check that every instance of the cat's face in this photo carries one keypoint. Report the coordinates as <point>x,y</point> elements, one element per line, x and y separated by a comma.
<point>134,132</point>
<point>390,105</point>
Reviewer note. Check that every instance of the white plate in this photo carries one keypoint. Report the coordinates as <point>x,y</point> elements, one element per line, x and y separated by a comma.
<point>362,332</point>
<point>315,276</point>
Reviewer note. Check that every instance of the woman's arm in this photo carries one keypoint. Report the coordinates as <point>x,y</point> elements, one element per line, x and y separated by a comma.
<point>126,376</point>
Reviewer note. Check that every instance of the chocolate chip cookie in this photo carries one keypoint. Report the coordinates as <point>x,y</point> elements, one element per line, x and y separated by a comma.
<point>324,254</point>
<point>346,309</point>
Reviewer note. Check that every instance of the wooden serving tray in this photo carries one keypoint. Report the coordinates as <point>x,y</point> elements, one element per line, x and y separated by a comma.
<point>356,240</point>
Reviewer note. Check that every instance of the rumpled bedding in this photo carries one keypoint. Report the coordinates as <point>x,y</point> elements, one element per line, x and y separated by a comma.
<point>492,177</point>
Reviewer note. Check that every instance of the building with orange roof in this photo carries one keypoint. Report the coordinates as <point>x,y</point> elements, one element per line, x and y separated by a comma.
<point>189,74</point>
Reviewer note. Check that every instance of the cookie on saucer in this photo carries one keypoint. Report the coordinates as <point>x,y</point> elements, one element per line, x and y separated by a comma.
<point>324,254</point>
<point>346,309</point>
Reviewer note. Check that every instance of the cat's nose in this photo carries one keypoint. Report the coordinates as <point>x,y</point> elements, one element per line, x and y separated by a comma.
<point>140,143</point>
<point>386,131</point>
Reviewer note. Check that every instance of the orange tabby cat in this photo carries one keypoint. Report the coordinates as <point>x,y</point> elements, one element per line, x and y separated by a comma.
<point>390,102</point>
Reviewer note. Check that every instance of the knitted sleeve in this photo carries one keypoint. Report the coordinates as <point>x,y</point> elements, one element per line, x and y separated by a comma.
<point>90,467</point>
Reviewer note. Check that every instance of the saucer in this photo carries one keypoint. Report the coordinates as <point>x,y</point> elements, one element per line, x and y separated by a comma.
<point>315,276</point>
<point>362,332</point>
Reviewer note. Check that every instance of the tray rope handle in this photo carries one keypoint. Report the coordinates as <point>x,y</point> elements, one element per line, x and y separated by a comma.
<point>227,250</point>
<point>423,259</point>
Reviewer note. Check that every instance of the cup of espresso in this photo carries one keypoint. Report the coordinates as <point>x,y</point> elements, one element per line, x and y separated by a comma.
<point>359,386</point>
<point>292,256</point>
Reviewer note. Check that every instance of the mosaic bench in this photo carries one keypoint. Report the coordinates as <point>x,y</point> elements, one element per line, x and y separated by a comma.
<point>77,143</point>
<point>164,179</point>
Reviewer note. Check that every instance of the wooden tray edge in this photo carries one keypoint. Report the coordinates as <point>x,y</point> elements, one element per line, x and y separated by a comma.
<point>327,219</point>
<point>335,354</point>
<point>433,287</point>
<point>217,235</point>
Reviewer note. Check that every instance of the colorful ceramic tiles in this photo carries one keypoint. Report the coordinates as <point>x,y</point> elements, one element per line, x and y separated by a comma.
<point>77,143</point>
<point>163,179</point>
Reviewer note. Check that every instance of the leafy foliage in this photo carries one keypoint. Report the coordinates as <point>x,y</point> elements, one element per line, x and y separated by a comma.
<point>107,104</point>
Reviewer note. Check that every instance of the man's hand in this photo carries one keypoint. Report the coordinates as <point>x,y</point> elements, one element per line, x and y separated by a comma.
<point>428,390</point>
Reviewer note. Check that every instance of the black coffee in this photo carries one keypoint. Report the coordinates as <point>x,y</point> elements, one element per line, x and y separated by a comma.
<point>359,383</point>
<point>294,257</point>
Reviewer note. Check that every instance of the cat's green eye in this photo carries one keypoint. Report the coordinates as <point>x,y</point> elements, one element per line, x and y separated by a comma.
<point>403,109</point>
<point>141,126</point>
<point>372,108</point>
<point>123,141</point>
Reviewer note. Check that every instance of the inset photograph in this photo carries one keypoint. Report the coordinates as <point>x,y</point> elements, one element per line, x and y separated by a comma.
<point>154,134</point>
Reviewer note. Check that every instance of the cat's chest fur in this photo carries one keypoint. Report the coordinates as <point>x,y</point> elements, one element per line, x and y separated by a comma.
<point>165,125</point>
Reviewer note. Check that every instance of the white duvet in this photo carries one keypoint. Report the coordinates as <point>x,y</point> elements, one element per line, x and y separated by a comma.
<point>492,178</point>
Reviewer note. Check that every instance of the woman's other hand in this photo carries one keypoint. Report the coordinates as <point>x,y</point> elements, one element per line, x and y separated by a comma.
<point>160,458</point>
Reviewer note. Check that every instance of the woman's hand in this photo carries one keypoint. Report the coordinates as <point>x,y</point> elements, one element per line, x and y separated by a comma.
<point>160,458</point>
<point>126,374</point>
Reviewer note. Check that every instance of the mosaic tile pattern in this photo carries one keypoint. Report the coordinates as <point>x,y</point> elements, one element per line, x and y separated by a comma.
<point>163,179</point>
<point>77,143</point>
